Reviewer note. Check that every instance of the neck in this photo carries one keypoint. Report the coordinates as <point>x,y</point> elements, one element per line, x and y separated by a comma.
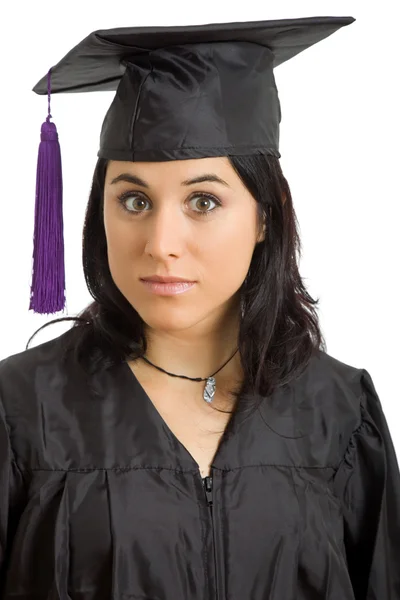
<point>196,352</point>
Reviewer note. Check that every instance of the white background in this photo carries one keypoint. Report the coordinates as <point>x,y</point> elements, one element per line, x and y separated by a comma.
<point>340,153</point>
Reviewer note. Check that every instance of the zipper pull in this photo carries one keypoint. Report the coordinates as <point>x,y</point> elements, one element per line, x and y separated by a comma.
<point>208,483</point>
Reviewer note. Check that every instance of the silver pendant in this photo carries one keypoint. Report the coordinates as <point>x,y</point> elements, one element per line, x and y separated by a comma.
<point>209,390</point>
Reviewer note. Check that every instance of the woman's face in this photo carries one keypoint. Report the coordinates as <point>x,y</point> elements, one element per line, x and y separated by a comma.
<point>167,225</point>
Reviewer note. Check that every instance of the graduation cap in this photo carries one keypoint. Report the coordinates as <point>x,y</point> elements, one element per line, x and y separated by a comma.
<point>182,92</point>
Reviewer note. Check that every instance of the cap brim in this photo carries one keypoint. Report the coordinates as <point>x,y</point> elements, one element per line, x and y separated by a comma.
<point>95,64</point>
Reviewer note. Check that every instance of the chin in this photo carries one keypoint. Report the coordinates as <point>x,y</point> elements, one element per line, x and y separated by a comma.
<point>168,318</point>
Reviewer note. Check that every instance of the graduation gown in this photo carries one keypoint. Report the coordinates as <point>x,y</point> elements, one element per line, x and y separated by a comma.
<point>100,500</point>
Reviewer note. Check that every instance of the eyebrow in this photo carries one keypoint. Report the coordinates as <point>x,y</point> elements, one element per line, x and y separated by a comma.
<point>130,178</point>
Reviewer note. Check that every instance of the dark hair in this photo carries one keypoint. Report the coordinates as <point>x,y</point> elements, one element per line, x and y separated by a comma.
<point>279,330</point>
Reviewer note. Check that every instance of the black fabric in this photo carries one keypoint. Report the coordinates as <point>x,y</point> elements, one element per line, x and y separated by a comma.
<point>188,91</point>
<point>100,500</point>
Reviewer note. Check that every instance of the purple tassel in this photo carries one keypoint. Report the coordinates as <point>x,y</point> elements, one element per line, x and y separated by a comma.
<point>48,276</point>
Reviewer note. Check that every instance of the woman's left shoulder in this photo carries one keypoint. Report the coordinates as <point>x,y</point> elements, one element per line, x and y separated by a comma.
<point>336,379</point>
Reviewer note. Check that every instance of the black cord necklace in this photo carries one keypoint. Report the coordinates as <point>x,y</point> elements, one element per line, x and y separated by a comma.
<point>210,387</point>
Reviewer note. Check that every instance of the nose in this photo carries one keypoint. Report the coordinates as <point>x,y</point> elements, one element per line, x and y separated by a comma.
<point>166,232</point>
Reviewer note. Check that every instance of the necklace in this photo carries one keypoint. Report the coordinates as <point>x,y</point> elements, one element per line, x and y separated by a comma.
<point>210,387</point>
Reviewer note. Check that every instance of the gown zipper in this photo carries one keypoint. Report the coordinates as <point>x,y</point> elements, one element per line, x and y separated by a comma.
<point>208,488</point>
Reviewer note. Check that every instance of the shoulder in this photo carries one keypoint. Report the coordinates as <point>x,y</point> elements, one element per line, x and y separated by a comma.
<point>336,385</point>
<point>326,363</point>
<point>24,371</point>
<point>325,369</point>
<point>341,394</point>
<point>320,408</point>
<point>41,353</point>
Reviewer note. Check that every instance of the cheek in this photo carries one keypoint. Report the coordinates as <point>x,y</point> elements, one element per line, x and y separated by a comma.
<point>120,249</point>
<point>118,231</point>
<point>229,253</point>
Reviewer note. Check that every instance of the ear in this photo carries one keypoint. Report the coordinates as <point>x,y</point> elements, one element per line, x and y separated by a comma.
<point>261,235</point>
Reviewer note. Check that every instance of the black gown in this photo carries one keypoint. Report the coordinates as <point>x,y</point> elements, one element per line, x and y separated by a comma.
<point>100,500</point>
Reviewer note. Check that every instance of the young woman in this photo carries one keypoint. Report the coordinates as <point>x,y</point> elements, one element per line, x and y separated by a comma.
<point>193,439</point>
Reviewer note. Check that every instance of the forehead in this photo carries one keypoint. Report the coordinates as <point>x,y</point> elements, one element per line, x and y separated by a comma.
<point>174,169</point>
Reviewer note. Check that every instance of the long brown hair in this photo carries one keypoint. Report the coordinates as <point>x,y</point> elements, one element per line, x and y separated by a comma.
<point>279,329</point>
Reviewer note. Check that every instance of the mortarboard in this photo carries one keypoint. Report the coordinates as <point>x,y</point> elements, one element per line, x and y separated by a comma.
<point>182,92</point>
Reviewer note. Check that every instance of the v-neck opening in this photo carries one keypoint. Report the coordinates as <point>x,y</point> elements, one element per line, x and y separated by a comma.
<point>164,425</point>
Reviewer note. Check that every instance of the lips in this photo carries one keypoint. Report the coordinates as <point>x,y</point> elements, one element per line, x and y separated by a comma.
<point>159,279</point>
<point>168,289</point>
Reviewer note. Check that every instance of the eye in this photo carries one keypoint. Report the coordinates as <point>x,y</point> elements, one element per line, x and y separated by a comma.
<point>129,196</point>
<point>140,200</point>
<point>205,199</point>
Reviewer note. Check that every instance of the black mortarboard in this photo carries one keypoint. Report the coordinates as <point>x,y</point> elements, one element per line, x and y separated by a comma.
<point>181,92</point>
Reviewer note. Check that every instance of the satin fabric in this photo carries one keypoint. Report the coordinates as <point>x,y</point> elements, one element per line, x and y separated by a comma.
<point>100,500</point>
<point>185,92</point>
